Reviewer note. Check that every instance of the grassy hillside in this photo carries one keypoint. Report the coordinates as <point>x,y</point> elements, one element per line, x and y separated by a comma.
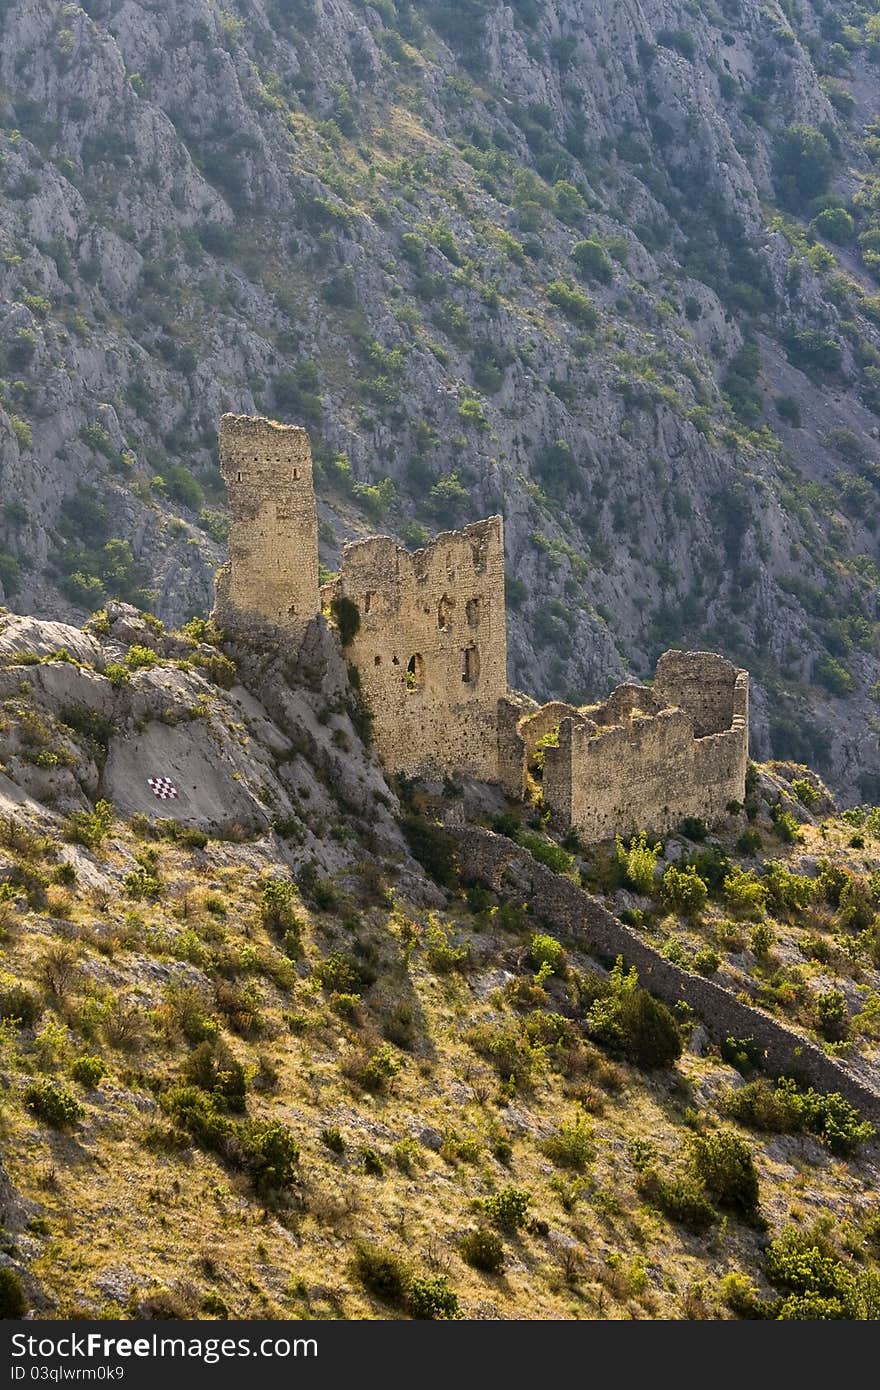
<point>236,1084</point>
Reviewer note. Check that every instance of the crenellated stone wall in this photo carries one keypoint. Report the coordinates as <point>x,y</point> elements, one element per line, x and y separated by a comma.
<point>271,577</point>
<point>431,651</point>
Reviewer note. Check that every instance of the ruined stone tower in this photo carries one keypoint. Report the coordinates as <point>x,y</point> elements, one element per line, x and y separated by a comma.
<point>431,650</point>
<point>271,577</point>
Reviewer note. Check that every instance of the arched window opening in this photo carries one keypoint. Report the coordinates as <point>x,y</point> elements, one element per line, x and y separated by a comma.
<point>470,665</point>
<point>473,609</point>
<point>415,673</point>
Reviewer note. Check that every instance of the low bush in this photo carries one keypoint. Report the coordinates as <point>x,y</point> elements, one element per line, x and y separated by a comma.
<point>382,1272</point>
<point>483,1250</point>
<point>682,890</point>
<point>13,1299</point>
<point>88,1071</point>
<point>50,1101</point>
<point>507,1208</point>
<point>19,1004</point>
<point>572,1145</point>
<point>547,954</point>
<point>724,1163</point>
<point>683,1198</point>
<point>631,1023</point>
<point>431,1297</point>
<point>781,1107</point>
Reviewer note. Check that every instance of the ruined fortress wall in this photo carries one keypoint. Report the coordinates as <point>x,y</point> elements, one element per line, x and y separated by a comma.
<point>651,770</point>
<point>623,702</point>
<point>628,777</point>
<point>569,911</point>
<point>702,683</point>
<point>512,710</point>
<point>432,648</point>
<point>272,574</point>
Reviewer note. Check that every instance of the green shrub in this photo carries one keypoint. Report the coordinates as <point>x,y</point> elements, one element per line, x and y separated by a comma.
<point>832,1015</point>
<point>547,852</point>
<point>507,1208</point>
<point>50,1101</point>
<point>89,828</point>
<point>592,260</point>
<point>547,954</point>
<point>333,1139</point>
<point>510,1050</point>
<point>117,674</point>
<point>706,961</point>
<point>762,938</point>
<point>441,954</point>
<point>347,617</point>
<point>340,973</point>
<point>743,1053</point>
<point>277,912</point>
<point>141,658</point>
<point>750,841</point>
<point>573,303</point>
<point>745,893</point>
<point>381,1271</point>
<point>483,1250</point>
<point>805,792</point>
<point>682,890</point>
<point>13,1299</point>
<point>19,1004</point>
<point>572,1145</point>
<point>803,164</point>
<point>833,675</point>
<point>212,1067</point>
<point>682,1197</point>
<point>432,846</point>
<point>637,864</point>
<point>630,1023</point>
<point>787,892</point>
<point>431,1297</point>
<point>377,1070</point>
<point>783,1108</point>
<point>724,1162</point>
<point>88,1071</point>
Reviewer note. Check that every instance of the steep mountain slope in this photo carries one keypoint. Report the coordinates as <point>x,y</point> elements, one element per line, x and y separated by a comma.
<point>609,267</point>
<point>296,1063</point>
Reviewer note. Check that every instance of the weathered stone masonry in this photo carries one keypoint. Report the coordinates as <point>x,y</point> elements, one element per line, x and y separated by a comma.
<point>512,872</point>
<point>272,574</point>
<point>431,650</point>
<point>431,654</point>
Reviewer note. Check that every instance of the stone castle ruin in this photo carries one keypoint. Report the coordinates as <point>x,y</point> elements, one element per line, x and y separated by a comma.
<point>272,573</point>
<point>430,650</point>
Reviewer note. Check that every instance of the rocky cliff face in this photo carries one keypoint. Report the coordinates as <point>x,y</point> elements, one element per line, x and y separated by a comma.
<point>606,267</point>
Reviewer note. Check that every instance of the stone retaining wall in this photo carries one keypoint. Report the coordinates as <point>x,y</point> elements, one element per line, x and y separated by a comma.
<point>512,872</point>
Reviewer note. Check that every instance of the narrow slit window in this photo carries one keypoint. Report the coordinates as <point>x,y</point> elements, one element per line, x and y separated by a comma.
<point>470,665</point>
<point>415,673</point>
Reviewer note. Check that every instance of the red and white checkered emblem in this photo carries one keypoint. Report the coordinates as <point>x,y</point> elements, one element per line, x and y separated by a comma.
<point>161,787</point>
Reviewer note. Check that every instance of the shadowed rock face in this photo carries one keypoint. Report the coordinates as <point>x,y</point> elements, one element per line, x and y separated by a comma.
<point>191,228</point>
